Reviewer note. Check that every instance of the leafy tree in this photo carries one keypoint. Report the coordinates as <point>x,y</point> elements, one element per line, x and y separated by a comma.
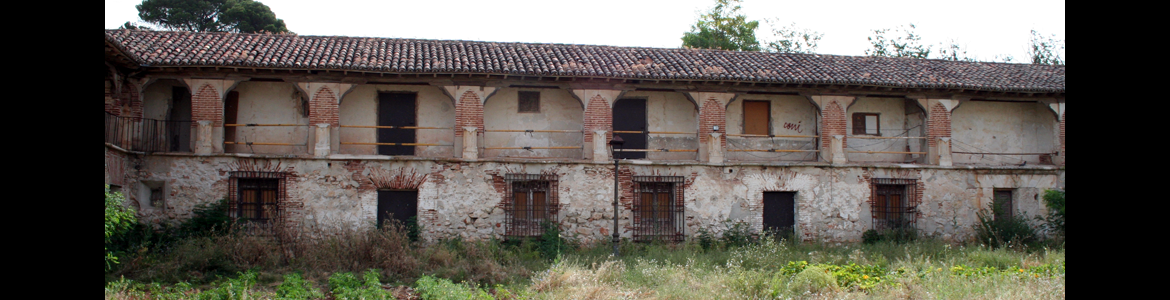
<point>723,27</point>
<point>1043,50</point>
<point>791,39</point>
<point>119,218</point>
<point>903,43</point>
<point>953,52</point>
<point>245,16</point>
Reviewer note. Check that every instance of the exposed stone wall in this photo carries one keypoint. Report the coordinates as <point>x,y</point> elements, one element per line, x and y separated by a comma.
<point>464,198</point>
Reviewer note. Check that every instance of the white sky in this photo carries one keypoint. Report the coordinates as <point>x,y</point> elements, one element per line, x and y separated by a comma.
<point>986,28</point>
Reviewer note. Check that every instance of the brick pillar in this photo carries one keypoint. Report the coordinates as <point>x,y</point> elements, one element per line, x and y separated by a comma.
<point>833,122</point>
<point>469,101</point>
<point>321,147</point>
<point>712,112</point>
<point>207,96</point>
<point>324,102</point>
<point>598,115</point>
<point>938,125</point>
<point>470,147</point>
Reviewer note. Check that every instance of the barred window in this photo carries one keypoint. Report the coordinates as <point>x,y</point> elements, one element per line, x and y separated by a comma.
<point>658,208</point>
<point>256,196</point>
<point>893,203</point>
<point>531,202</point>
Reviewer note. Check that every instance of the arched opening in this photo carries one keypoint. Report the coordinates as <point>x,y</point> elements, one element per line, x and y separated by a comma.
<point>671,124</point>
<point>167,103</point>
<point>266,117</point>
<point>434,111</point>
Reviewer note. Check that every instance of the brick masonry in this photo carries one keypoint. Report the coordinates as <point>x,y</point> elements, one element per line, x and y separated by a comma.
<point>323,108</point>
<point>206,105</point>
<point>938,124</point>
<point>598,116</point>
<point>468,113</point>
<point>712,114</point>
<point>832,123</point>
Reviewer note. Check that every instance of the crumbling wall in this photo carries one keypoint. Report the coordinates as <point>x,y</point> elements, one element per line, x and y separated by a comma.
<point>434,109</point>
<point>464,198</point>
<point>789,115</point>
<point>271,103</point>
<point>1001,127</point>
<point>559,110</point>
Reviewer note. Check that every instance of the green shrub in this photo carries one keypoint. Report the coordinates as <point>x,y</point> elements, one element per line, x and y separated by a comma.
<point>1054,221</point>
<point>231,288</point>
<point>738,234</point>
<point>119,219</point>
<point>442,289</point>
<point>896,235</point>
<point>551,243</point>
<point>344,285</point>
<point>295,287</point>
<point>814,279</point>
<point>1000,232</point>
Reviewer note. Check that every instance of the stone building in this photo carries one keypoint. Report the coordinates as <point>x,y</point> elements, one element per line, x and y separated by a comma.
<point>484,139</point>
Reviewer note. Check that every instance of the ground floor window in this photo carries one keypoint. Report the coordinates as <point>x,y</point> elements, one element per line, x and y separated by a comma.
<point>1003,208</point>
<point>531,202</point>
<point>256,196</point>
<point>658,208</point>
<point>894,203</point>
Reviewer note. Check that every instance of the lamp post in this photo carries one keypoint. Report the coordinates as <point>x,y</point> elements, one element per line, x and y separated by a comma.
<point>615,146</point>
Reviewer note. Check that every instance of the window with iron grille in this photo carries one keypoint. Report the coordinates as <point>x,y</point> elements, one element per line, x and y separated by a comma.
<point>256,196</point>
<point>894,203</point>
<point>658,208</point>
<point>531,201</point>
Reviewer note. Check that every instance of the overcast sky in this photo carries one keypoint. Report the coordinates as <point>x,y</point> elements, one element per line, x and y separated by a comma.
<point>985,28</point>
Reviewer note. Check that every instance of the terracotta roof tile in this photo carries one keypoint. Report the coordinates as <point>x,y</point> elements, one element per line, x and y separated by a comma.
<point>174,48</point>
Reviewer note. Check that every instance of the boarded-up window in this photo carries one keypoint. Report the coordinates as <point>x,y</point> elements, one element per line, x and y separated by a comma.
<point>866,123</point>
<point>529,102</point>
<point>755,117</point>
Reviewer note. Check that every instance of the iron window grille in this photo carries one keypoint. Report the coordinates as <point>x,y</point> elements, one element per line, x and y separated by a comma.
<point>658,209</point>
<point>894,203</point>
<point>531,201</point>
<point>255,197</point>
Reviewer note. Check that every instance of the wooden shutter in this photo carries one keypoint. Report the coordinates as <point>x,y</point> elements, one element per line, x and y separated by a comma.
<point>755,117</point>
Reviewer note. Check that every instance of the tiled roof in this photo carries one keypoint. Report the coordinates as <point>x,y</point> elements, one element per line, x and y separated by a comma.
<point>410,56</point>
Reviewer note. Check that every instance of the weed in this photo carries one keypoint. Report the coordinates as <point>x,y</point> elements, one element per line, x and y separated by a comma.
<point>1011,232</point>
<point>295,287</point>
<point>344,285</point>
<point>442,289</point>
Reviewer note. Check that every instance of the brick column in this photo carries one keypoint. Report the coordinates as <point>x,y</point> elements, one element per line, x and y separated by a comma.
<point>469,101</point>
<point>833,122</point>
<point>324,103</point>
<point>598,116</point>
<point>207,97</point>
<point>938,125</point>
<point>712,112</point>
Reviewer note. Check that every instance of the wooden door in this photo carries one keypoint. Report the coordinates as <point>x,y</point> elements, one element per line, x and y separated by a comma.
<point>396,109</point>
<point>400,206</point>
<point>1003,204</point>
<point>780,212</point>
<point>231,109</point>
<point>630,115</point>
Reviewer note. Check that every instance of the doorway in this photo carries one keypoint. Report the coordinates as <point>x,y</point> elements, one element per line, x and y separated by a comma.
<point>780,212</point>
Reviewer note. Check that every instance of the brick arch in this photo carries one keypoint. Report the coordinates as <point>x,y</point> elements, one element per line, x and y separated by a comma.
<point>833,116</point>
<point>598,116</point>
<point>712,114</point>
<point>206,105</point>
<point>938,124</point>
<point>323,108</point>
<point>468,112</point>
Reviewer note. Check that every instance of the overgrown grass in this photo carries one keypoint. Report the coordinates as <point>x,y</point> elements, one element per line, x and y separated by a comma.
<point>235,265</point>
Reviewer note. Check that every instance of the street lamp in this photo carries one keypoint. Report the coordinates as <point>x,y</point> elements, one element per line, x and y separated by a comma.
<point>615,146</point>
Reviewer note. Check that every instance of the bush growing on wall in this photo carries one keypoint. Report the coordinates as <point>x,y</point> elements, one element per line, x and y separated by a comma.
<point>999,232</point>
<point>119,219</point>
<point>1053,223</point>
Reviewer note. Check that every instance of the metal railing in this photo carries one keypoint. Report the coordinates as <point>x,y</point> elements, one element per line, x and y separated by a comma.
<point>148,135</point>
<point>394,127</point>
<point>245,141</point>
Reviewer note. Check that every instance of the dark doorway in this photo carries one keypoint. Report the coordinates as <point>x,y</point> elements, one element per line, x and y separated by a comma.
<point>1003,204</point>
<point>180,132</point>
<point>780,212</point>
<point>231,110</point>
<point>630,115</point>
<point>401,206</point>
<point>396,109</point>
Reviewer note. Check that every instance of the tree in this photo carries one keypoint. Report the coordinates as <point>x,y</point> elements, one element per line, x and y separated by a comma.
<point>245,16</point>
<point>791,39</point>
<point>904,43</point>
<point>953,52</point>
<point>723,28</point>
<point>1043,50</point>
